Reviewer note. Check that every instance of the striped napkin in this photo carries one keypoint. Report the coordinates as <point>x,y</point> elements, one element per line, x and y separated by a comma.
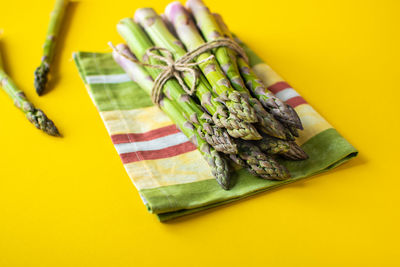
<point>170,174</point>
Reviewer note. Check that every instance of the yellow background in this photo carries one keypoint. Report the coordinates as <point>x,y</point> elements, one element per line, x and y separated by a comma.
<point>68,201</point>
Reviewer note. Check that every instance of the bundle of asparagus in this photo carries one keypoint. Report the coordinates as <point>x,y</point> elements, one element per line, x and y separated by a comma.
<point>230,111</point>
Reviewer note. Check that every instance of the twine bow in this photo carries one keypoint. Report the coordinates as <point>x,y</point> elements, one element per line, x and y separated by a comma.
<point>171,69</point>
<point>175,68</point>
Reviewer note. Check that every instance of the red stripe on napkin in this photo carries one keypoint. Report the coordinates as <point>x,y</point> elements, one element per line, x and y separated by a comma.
<point>296,101</point>
<point>279,86</point>
<point>158,154</point>
<point>150,135</point>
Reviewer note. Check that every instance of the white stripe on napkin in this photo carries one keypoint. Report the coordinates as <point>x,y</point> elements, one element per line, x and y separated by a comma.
<point>110,78</point>
<point>287,94</point>
<point>155,144</point>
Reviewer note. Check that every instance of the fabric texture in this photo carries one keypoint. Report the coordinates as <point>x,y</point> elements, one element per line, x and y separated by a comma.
<point>170,174</point>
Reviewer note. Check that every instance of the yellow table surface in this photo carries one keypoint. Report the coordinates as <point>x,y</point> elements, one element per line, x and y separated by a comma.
<point>68,201</point>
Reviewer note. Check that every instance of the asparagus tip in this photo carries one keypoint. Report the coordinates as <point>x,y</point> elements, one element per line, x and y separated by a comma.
<point>295,152</point>
<point>42,122</point>
<point>294,118</point>
<point>220,169</point>
<point>41,78</point>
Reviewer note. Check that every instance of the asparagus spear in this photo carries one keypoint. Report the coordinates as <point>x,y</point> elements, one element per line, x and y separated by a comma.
<point>287,149</point>
<point>273,145</point>
<point>41,73</point>
<point>34,115</point>
<point>295,152</point>
<point>217,137</point>
<point>222,118</point>
<point>161,36</point>
<point>260,164</point>
<point>137,73</point>
<point>278,108</point>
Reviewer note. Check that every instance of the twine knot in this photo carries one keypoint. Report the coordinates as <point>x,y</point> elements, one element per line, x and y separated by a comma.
<point>171,69</point>
<point>176,68</point>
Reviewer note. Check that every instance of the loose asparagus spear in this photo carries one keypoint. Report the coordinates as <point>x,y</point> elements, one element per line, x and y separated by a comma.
<point>41,73</point>
<point>222,118</point>
<point>260,164</point>
<point>278,108</point>
<point>190,36</point>
<point>34,115</point>
<point>138,43</point>
<point>159,33</point>
<point>137,73</point>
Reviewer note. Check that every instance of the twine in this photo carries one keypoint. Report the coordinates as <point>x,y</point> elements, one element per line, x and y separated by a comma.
<point>174,69</point>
